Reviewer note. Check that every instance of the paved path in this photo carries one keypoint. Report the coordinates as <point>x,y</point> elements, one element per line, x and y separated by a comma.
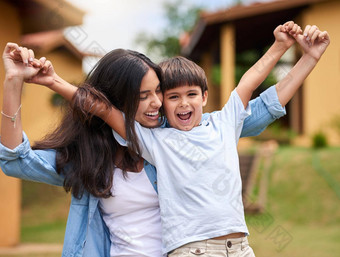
<point>31,249</point>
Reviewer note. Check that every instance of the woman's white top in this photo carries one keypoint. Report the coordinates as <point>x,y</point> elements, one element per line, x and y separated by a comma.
<point>132,215</point>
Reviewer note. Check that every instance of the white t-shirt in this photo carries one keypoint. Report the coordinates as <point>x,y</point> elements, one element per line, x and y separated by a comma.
<point>132,216</point>
<point>198,176</point>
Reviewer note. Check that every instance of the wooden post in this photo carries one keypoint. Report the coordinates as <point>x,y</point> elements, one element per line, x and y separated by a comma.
<point>228,47</point>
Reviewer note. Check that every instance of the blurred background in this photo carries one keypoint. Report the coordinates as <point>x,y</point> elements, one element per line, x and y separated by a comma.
<point>291,172</point>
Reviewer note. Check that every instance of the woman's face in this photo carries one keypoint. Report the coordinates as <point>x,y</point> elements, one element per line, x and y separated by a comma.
<point>150,102</point>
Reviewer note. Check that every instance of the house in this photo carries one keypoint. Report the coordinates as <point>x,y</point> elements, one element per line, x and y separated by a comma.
<point>38,24</point>
<point>219,37</point>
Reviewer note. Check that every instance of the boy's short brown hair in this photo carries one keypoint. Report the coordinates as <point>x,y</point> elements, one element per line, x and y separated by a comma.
<point>179,71</point>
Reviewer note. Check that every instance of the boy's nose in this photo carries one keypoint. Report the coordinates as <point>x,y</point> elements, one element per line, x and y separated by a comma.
<point>184,102</point>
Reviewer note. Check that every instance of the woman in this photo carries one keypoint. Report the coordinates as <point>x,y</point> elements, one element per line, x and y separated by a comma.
<point>114,210</point>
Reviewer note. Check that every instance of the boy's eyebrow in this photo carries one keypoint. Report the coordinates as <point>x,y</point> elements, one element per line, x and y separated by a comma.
<point>189,91</point>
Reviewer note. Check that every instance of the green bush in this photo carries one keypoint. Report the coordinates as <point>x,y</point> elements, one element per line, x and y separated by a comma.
<point>319,140</point>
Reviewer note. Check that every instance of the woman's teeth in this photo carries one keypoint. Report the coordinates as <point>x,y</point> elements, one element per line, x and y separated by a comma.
<point>152,113</point>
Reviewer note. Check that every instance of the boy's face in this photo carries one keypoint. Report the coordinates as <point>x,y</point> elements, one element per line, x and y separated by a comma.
<point>184,105</point>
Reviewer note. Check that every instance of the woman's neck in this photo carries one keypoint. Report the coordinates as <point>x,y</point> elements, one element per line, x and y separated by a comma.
<point>133,168</point>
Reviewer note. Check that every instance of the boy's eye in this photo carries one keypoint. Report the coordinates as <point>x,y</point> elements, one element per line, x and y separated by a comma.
<point>192,94</point>
<point>173,97</point>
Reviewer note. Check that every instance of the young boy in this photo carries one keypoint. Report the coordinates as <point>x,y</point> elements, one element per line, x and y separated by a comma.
<point>199,181</point>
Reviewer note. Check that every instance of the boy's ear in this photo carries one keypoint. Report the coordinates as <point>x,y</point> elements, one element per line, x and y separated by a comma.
<point>205,97</point>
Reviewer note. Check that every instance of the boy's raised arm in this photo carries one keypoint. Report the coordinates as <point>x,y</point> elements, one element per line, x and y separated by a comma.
<point>261,69</point>
<point>313,43</point>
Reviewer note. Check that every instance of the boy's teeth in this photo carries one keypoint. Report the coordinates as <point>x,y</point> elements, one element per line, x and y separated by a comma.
<point>184,115</point>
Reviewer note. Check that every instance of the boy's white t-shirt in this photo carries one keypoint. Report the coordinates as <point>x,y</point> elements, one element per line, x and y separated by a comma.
<point>198,176</point>
<point>132,216</point>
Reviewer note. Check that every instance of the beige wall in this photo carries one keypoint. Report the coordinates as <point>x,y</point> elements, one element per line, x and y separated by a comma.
<point>38,117</point>
<point>10,188</point>
<point>322,87</point>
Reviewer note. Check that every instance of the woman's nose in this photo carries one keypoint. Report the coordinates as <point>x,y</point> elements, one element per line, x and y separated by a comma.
<point>156,102</point>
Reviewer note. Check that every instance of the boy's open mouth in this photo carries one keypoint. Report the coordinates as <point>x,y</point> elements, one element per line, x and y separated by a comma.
<point>184,115</point>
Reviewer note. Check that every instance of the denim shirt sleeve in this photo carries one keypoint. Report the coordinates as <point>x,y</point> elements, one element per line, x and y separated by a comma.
<point>35,165</point>
<point>151,173</point>
<point>265,109</point>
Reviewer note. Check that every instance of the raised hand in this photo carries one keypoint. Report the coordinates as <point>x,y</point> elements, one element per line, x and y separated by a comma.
<point>313,41</point>
<point>19,62</point>
<point>285,34</point>
<point>46,74</point>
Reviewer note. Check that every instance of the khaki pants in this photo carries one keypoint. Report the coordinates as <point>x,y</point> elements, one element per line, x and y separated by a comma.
<point>234,247</point>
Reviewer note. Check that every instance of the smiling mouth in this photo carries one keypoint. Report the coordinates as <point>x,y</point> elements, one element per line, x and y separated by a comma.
<point>153,115</point>
<point>184,115</point>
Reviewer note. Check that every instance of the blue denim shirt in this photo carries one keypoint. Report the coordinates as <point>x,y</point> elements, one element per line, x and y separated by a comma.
<point>86,233</point>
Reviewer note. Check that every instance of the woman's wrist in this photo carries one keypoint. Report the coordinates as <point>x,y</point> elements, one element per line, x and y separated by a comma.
<point>12,85</point>
<point>13,77</point>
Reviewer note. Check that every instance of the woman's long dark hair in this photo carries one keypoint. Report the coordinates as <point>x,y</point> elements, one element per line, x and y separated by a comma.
<point>86,151</point>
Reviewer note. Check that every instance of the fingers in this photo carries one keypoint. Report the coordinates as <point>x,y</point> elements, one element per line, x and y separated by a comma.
<point>36,63</point>
<point>24,55</point>
<point>324,35</point>
<point>288,26</point>
<point>30,55</point>
<point>311,33</point>
<point>18,52</point>
<point>292,28</point>
<point>10,47</point>
<point>46,66</point>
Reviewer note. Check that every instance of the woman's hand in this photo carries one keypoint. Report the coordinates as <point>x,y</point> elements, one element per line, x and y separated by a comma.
<point>19,62</point>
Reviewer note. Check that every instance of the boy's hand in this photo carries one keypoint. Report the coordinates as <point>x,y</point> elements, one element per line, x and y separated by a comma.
<point>46,74</point>
<point>285,34</point>
<point>313,41</point>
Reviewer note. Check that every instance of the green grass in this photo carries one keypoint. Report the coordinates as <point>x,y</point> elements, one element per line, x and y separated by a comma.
<point>301,218</point>
<point>44,213</point>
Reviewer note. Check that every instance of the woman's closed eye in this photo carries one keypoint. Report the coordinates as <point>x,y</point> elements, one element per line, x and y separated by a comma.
<point>143,96</point>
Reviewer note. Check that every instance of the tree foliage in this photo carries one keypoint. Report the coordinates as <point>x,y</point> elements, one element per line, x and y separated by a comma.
<point>179,19</point>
